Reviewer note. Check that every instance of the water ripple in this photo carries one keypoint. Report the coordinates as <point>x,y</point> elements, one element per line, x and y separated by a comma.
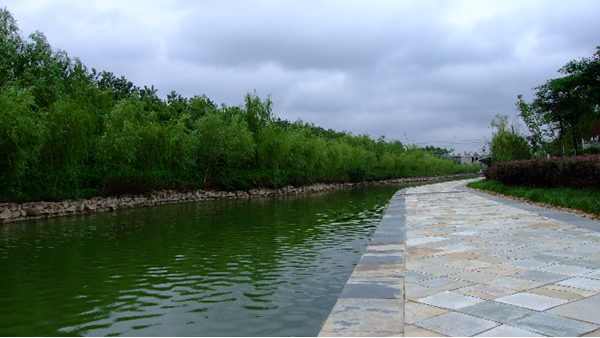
<point>261,267</point>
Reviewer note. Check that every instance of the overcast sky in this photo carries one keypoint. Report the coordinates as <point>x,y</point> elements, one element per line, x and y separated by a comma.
<point>426,72</point>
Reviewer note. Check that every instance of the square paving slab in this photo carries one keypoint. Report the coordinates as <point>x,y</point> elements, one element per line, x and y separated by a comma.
<point>497,312</point>
<point>365,315</point>
<point>587,310</point>
<point>508,331</point>
<point>457,324</point>
<point>541,276</point>
<point>531,301</point>
<point>582,283</point>
<point>450,300</point>
<point>552,325</point>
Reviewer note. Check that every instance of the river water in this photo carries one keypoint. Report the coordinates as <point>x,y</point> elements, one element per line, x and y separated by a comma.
<point>250,267</point>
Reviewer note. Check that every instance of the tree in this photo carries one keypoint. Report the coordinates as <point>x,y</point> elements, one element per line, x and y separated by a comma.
<point>70,131</point>
<point>119,144</point>
<point>222,140</point>
<point>507,145</point>
<point>20,130</point>
<point>11,47</point>
<point>565,108</point>
<point>258,114</point>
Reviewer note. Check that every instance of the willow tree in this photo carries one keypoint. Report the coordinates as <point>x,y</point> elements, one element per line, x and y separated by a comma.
<point>222,141</point>
<point>20,131</point>
<point>70,134</point>
<point>118,146</point>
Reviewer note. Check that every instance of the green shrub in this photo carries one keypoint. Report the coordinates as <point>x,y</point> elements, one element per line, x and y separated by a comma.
<point>575,172</point>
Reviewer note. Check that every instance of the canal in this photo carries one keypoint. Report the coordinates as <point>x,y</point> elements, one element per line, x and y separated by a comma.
<point>248,267</point>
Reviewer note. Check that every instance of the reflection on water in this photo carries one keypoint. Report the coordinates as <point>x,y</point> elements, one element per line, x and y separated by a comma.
<point>260,267</point>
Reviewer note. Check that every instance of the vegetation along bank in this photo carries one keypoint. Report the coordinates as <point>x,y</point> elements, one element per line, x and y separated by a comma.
<point>552,164</point>
<point>12,212</point>
<point>70,132</point>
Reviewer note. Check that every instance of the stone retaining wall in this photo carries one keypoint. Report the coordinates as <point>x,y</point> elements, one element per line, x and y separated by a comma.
<point>12,212</point>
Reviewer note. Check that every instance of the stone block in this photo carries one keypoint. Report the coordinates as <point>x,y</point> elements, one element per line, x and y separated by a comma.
<point>552,325</point>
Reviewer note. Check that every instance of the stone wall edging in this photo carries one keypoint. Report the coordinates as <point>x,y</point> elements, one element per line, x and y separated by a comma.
<point>14,212</point>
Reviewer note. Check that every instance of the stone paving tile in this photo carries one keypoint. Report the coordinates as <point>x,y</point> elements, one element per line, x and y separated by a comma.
<point>417,263</point>
<point>462,255</point>
<point>365,315</point>
<point>484,291</point>
<point>584,310</point>
<point>593,264</point>
<point>450,300</point>
<point>414,291</point>
<point>379,270</point>
<point>527,264</point>
<point>582,283</point>
<point>541,276</point>
<point>439,260</point>
<point>516,284</point>
<point>474,276</point>
<point>372,289</point>
<point>552,325</point>
<point>416,312</point>
<point>457,324</point>
<point>508,331</point>
<point>579,292</point>
<point>567,270</point>
<point>592,334</point>
<point>468,264</point>
<point>439,270</point>
<point>415,331</point>
<point>501,270</point>
<point>390,270</point>
<point>384,247</point>
<point>497,312</point>
<point>416,276</point>
<point>594,275</point>
<point>444,283</point>
<point>531,301</point>
<point>554,292</point>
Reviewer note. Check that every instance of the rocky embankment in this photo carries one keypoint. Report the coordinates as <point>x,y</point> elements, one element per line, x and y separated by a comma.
<point>12,212</point>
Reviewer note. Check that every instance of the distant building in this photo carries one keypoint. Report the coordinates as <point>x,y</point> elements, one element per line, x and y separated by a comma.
<point>470,158</point>
<point>591,143</point>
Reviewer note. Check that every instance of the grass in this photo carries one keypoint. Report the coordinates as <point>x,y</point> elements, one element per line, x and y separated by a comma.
<point>586,200</point>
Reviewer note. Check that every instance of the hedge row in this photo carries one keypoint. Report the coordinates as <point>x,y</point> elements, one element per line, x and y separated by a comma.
<point>572,172</point>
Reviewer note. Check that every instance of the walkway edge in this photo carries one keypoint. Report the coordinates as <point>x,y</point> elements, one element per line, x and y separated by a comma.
<point>372,302</point>
<point>565,217</point>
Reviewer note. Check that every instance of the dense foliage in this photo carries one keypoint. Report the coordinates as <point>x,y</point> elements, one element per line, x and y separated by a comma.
<point>565,110</point>
<point>507,144</point>
<point>574,172</point>
<point>68,131</point>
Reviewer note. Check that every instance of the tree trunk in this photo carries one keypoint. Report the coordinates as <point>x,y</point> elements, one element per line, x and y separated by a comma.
<point>105,180</point>
<point>206,172</point>
<point>56,183</point>
<point>562,140</point>
<point>575,144</point>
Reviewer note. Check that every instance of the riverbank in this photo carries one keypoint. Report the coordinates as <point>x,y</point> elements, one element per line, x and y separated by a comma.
<point>14,212</point>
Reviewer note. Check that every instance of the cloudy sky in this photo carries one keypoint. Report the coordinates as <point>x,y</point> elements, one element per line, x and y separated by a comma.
<point>426,72</point>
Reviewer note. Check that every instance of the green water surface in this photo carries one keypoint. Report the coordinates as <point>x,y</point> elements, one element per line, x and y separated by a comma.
<point>249,267</point>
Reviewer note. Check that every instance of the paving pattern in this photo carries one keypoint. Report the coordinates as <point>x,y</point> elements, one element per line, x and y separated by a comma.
<point>450,262</point>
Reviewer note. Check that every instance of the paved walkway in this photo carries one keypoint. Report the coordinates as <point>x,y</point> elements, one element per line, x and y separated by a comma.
<point>445,261</point>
